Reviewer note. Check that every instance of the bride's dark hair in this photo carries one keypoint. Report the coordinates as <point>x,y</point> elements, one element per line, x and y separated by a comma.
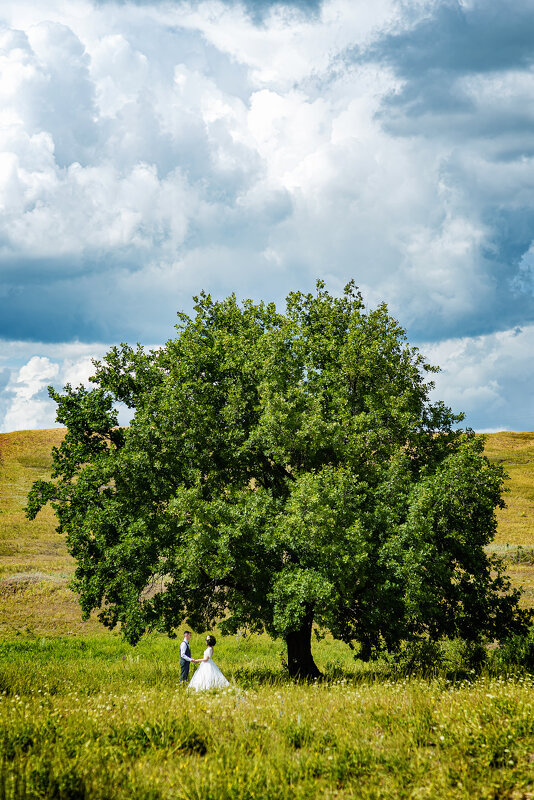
<point>210,640</point>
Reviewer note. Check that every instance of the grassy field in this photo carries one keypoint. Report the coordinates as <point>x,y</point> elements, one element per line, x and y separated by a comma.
<point>515,533</point>
<point>84,715</point>
<point>92,718</point>
<point>35,567</point>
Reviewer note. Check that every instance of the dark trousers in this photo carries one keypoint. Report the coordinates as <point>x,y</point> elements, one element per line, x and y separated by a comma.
<point>184,670</point>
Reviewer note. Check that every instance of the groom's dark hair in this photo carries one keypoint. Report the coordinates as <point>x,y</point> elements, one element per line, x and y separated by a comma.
<point>189,632</point>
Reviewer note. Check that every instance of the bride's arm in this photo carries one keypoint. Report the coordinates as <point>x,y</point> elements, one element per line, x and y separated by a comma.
<point>207,655</point>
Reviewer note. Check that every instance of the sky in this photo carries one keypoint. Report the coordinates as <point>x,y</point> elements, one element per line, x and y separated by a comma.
<point>150,150</point>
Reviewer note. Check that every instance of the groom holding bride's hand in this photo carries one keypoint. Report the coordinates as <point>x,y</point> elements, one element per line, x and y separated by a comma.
<point>185,657</point>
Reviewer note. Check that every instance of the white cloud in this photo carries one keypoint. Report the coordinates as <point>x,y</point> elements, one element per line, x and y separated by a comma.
<point>168,165</point>
<point>24,403</point>
<point>289,46</point>
<point>33,376</point>
<point>490,378</point>
<point>77,372</point>
<point>27,410</point>
<point>150,150</point>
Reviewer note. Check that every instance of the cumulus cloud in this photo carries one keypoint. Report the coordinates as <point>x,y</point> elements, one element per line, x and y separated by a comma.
<point>150,150</point>
<point>24,400</point>
<point>28,409</point>
<point>487,377</point>
<point>24,379</point>
<point>466,91</point>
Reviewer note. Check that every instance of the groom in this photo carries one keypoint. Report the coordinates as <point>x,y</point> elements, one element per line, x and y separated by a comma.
<point>185,657</point>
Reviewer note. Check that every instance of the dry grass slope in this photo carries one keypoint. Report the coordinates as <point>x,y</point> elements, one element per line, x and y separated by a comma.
<point>515,532</point>
<point>35,566</point>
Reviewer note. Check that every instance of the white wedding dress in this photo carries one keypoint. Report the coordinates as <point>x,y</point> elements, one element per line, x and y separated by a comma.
<point>208,675</point>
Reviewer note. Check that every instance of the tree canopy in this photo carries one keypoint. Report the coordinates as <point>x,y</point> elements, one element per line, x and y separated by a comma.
<point>279,470</point>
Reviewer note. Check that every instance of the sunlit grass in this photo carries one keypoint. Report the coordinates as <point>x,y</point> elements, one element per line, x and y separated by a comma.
<point>516,453</point>
<point>25,456</point>
<point>95,718</point>
<point>35,567</point>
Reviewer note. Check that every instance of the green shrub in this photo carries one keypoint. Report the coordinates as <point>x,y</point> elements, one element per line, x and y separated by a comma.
<point>517,651</point>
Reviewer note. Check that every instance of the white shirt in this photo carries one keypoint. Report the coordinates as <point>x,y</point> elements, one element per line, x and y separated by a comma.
<point>183,647</point>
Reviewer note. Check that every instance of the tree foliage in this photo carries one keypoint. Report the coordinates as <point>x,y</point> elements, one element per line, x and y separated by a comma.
<point>279,470</point>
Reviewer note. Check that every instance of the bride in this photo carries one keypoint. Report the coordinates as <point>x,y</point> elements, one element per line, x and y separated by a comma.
<point>208,675</point>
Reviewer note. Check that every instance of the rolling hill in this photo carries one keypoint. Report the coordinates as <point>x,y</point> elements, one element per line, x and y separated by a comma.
<point>35,566</point>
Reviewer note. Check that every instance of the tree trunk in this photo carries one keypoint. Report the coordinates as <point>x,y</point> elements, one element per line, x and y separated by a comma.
<point>300,661</point>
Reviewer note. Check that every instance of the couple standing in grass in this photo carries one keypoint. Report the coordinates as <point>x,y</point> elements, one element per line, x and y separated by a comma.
<point>208,675</point>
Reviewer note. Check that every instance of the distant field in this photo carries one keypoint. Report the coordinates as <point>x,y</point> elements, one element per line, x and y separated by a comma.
<point>515,533</point>
<point>35,567</point>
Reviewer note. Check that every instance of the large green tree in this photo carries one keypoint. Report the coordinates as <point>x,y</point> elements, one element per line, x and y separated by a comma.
<point>280,470</point>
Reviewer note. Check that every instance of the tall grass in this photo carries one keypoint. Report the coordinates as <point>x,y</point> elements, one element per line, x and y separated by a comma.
<point>96,719</point>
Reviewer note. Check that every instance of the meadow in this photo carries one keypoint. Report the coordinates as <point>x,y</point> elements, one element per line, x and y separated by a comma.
<point>84,715</point>
<point>92,718</point>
